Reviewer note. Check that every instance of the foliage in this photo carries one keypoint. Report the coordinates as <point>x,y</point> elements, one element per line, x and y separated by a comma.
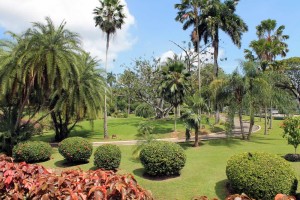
<point>260,175</point>
<point>237,196</point>
<point>144,110</point>
<point>145,128</point>
<point>291,131</point>
<point>75,149</point>
<point>161,158</point>
<point>28,181</point>
<point>107,156</point>
<point>32,151</point>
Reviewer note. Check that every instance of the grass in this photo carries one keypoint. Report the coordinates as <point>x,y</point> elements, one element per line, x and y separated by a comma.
<point>204,173</point>
<point>124,129</point>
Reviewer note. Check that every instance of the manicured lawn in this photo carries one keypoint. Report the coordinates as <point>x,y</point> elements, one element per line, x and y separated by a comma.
<point>123,128</point>
<point>204,173</point>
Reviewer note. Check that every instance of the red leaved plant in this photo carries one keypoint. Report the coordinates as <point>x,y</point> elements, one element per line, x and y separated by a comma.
<point>22,180</point>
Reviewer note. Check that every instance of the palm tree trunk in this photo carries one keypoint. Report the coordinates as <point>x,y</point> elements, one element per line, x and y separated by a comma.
<point>196,136</point>
<point>266,119</point>
<point>271,116</point>
<point>105,97</point>
<point>175,118</point>
<point>241,122</point>
<point>251,122</point>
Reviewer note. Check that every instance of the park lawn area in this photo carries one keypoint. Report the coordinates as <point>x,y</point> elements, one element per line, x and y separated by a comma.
<point>204,173</point>
<point>124,129</point>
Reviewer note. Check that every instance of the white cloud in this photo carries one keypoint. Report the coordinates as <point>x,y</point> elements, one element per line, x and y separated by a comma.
<point>17,15</point>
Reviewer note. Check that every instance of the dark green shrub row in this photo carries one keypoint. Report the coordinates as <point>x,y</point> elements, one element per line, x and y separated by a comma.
<point>162,158</point>
<point>107,156</point>
<point>260,175</point>
<point>75,149</point>
<point>32,151</point>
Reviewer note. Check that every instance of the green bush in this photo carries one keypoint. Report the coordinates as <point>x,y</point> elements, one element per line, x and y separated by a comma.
<point>32,151</point>
<point>144,110</point>
<point>161,158</point>
<point>144,128</point>
<point>260,175</point>
<point>75,149</point>
<point>107,156</point>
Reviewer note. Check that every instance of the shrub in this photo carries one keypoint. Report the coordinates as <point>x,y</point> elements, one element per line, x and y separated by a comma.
<point>32,151</point>
<point>145,128</point>
<point>107,156</point>
<point>144,110</point>
<point>75,149</point>
<point>291,131</point>
<point>260,175</point>
<point>29,181</point>
<point>162,158</point>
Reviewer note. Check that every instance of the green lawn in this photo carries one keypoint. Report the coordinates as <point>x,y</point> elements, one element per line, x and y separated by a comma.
<point>204,173</point>
<point>124,128</point>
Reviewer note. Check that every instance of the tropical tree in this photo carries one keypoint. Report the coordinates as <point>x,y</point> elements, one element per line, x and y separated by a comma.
<point>188,14</point>
<point>81,99</point>
<point>269,45</point>
<point>192,121</point>
<point>108,17</point>
<point>216,16</point>
<point>38,61</point>
<point>174,85</point>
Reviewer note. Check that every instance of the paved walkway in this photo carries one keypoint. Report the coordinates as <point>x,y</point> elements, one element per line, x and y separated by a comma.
<point>211,136</point>
<point>219,135</point>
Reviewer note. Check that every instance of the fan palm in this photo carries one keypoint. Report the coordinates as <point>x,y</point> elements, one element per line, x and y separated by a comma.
<point>192,121</point>
<point>108,17</point>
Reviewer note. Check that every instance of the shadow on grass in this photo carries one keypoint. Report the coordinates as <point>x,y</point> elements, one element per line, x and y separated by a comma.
<point>229,142</point>
<point>190,144</point>
<point>141,173</point>
<point>221,189</point>
<point>65,164</point>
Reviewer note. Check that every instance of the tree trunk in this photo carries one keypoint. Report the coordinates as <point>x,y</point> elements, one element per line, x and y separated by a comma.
<point>187,134</point>
<point>175,118</point>
<point>105,97</point>
<point>241,122</point>
<point>216,54</point>
<point>251,123</point>
<point>128,110</point>
<point>217,114</point>
<point>196,144</point>
<point>178,111</point>
<point>271,116</point>
<point>266,120</point>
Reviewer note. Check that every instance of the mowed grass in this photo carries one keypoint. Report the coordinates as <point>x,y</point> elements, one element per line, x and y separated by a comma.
<point>123,128</point>
<point>204,172</point>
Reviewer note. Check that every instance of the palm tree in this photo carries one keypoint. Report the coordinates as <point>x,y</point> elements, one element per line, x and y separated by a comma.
<point>192,121</point>
<point>188,14</point>
<point>80,99</point>
<point>31,68</point>
<point>109,17</point>
<point>270,44</point>
<point>174,85</point>
<point>218,16</point>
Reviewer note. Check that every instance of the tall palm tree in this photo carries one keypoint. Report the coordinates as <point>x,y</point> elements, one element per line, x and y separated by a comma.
<point>108,17</point>
<point>217,16</point>
<point>188,14</point>
<point>174,85</point>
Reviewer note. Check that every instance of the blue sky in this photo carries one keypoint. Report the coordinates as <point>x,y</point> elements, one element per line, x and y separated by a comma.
<point>150,26</point>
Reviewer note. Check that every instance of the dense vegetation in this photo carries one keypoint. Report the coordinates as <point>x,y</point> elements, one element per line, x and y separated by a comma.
<point>108,157</point>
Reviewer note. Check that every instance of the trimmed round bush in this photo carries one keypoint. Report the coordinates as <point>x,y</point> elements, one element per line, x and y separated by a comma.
<point>260,175</point>
<point>161,158</point>
<point>107,156</point>
<point>32,151</point>
<point>75,149</point>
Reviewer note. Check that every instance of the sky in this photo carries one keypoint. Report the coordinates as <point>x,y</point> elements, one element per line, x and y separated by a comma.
<point>149,27</point>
